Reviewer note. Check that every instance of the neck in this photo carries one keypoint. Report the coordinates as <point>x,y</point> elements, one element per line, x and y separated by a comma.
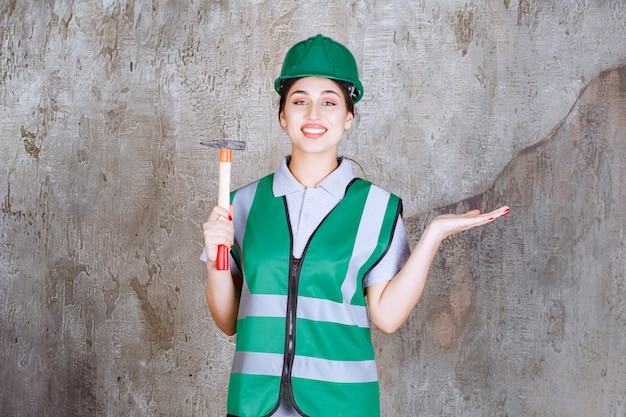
<point>310,169</point>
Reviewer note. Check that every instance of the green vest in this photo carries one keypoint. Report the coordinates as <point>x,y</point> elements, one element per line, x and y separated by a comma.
<point>302,324</point>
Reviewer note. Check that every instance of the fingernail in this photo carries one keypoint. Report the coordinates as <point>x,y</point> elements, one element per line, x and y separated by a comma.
<point>230,217</point>
<point>490,218</point>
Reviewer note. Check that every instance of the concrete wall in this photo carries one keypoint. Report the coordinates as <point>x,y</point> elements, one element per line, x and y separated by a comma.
<point>104,187</point>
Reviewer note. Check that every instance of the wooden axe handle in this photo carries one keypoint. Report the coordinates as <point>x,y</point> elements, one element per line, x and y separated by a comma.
<point>223,200</point>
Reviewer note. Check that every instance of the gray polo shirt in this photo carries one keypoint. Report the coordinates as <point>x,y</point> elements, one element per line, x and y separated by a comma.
<point>308,207</point>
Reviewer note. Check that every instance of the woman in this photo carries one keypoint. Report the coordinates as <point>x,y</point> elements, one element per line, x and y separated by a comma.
<point>319,249</point>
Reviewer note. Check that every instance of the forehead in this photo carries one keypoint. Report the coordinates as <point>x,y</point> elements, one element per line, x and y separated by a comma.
<point>315,85</point>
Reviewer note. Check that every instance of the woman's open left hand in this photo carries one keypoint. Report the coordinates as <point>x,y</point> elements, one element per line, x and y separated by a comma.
<point>449,224</point>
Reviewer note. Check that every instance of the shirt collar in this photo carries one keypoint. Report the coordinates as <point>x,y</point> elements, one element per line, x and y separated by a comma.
<point>335,183</point>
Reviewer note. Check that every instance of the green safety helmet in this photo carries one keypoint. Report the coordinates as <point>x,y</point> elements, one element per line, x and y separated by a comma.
<point>320,56</point>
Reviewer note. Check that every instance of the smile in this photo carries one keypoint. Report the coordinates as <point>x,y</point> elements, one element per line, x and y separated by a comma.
<point>313,131</point>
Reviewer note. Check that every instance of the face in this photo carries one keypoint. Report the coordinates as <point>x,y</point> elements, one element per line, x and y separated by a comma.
<point>315,116</point>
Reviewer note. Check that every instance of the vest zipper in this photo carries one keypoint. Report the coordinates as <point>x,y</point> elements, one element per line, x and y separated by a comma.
<point>290,336</point>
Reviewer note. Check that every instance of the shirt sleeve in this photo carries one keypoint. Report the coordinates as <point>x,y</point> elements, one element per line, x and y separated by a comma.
<point>393,260</point>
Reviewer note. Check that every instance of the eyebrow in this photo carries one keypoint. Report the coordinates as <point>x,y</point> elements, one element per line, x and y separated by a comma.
<point>307,93</point>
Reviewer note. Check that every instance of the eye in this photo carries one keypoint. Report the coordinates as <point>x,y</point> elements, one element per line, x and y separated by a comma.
<point>329,101</point>
<point>299,100</point>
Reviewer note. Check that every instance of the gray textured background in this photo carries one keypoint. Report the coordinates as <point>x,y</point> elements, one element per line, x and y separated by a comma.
<point>104,186</point>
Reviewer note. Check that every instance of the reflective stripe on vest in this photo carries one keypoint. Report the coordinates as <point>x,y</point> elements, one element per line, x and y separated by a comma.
<point>333,370</point>
<point>257,363</point>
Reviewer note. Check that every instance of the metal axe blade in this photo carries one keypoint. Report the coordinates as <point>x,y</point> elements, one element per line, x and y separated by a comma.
<point>225,144</point>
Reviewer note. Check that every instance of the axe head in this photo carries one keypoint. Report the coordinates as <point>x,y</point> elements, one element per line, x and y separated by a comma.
<point>225,144</point>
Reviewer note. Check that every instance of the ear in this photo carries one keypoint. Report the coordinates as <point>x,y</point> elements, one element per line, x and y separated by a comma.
<point>281,117</point>
<point>349,119</point>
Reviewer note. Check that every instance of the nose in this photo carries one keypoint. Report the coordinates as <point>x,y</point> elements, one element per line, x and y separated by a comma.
<point>314,111</point>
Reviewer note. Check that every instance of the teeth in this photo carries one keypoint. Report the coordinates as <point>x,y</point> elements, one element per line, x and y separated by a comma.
<point>314,131</point>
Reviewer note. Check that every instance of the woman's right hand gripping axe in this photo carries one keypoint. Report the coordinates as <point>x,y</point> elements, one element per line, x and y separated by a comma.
<point>223,196</point>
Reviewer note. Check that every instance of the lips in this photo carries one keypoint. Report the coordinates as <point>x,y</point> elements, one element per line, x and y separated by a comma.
<point>313,131</point>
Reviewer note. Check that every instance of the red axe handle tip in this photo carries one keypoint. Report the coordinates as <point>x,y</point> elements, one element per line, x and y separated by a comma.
<point>221,262</point>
